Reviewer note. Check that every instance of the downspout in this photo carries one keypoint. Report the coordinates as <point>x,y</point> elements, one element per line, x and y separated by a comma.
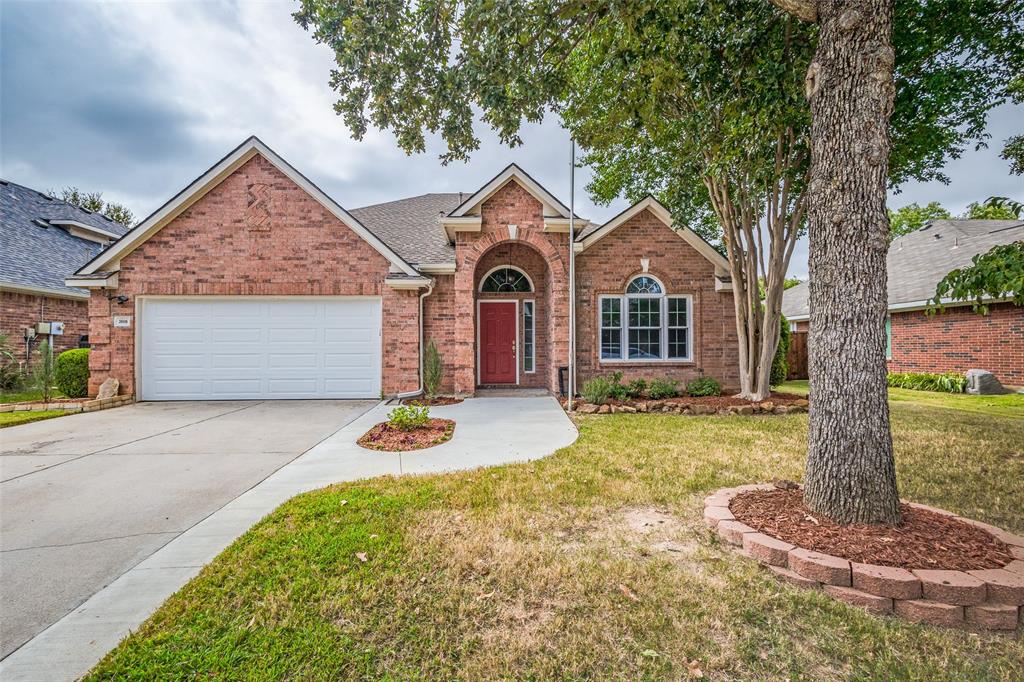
<point>413,394</point>
<point>572,276</point>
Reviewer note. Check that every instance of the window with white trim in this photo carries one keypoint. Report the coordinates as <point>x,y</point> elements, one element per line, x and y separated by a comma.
<point>529,363</point>
<point>645,324</point>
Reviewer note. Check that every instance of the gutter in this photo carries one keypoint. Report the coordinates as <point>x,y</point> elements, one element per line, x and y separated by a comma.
<point>418,391</point>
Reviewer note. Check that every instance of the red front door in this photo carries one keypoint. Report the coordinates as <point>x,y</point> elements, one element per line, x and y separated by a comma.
<point>497,342</point>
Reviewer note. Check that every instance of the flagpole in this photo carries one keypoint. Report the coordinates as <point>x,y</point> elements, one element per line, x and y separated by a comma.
<point>572,274</point>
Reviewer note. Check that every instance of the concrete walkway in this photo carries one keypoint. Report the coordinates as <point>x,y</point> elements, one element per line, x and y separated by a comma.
<point>489,431</point>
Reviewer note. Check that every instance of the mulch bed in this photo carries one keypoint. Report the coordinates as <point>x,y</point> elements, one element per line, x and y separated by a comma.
<point>719,401</point>
<point>439,401</point>
<point>924,540</point>
<point>383,436</point>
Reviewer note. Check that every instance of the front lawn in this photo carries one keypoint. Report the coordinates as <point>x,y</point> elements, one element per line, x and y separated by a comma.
<point>26,416</point>
<point>26,395</point>
<point>590,564</point>
<point>1009,405</point>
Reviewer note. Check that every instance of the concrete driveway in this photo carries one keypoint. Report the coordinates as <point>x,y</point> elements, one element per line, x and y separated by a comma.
<point>87,497</point>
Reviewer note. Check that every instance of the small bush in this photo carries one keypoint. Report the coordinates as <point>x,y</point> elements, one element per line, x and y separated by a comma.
<point>780,366</point>
<point>11,375</point>
<point>71,372</point>
<point>636,388</point>
<point>433,370</point>
<point>659,389</point>
<point>705,386</point>
<point>597,390</point>
<point>408,417</point>
<point>950,382</point>
<point>618,391</point>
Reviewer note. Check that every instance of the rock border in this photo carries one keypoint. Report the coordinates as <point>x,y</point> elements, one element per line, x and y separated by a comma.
<point>991,599</point>
<point>84,405</point>
<point>672,406</point>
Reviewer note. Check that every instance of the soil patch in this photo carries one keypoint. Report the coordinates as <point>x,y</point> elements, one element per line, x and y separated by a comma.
<point>439,401</point>
<point>383,436</point>
<point>925,539</point>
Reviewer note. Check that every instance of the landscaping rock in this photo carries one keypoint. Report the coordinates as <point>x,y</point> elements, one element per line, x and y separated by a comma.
<point>767,549</point>
<point>108,389</point>
<point>871,602</point>
<point>824,568</point>
<point>983,382</point>
<point>951,587</point>
<point>712,515</point>
<point>587,408</point>
<point>931,612</point>
<point>886,581</point>
<point>792,578</point>
<point>628,409</point>
<point>992,616</point>
<point>733,531</point>
<point>604,409</point>
<point>1002,586</point>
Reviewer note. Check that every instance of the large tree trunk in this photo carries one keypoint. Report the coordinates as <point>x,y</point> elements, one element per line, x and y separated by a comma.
<point>851,476</point>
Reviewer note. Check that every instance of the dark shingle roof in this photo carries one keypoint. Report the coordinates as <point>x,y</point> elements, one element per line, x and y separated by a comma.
<point>917,261</point>
<point>411,227</point>
<point>35,256</point>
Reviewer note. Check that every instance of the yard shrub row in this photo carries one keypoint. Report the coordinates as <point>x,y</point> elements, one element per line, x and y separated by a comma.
<point>950,382</point>
<point>600,390</point>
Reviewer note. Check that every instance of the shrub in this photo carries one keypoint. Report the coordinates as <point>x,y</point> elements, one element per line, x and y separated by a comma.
<point>433,370</point>
<point>71,372</point>
<point>618,391</point>
<point>408,417</point>
<point>950,382</point>
<point>636,388</point>
<point>43,374</point>
<point>11,376</point>
<point>780,366</point>
<point>597,390</point>
<point>659,389</point>
<point>704,386</point>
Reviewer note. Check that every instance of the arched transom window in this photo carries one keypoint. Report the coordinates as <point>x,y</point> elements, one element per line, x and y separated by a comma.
<point>506,279</point>
<point>645,324</point>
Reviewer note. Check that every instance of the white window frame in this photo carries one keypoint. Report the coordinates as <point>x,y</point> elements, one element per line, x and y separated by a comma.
<point>483,280</point>
<point>624,326</point>
<point>533,334</point>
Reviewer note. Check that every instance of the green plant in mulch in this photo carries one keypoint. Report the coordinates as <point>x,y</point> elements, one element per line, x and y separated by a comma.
<point>950,382</point>
<point>409,417</point>
<point>660,389</point>
<point>780,365</point>
<point>43,374</point>
<point>71,372</point>
<point>704,386</point>
<point>11,374</point>
<point>636,388</point>
<point>433,371</point>
<point>596,391</point>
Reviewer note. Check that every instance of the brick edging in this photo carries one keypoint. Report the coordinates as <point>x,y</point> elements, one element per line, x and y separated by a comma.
<point>72,406</point>
<point>986,599</point>
<point>694,409</point>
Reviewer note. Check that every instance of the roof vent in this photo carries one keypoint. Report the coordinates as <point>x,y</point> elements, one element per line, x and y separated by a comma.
<point>41,223</point>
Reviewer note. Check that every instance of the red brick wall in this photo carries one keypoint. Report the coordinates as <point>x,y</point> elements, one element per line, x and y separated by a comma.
<point>220,246</point>
<point>958,340</point>
<point>609,265</point>
<point>439,326</point>
<point>18,311</point>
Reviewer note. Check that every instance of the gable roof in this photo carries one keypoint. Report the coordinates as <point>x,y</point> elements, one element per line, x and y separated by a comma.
<point>917,261</point>
<point>38,256</point>
<point>593,234</point>
<point>552,206</point>
<point>411,226</point>
<point>213,177</point>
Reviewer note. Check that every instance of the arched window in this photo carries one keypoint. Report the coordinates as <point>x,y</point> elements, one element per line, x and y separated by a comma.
<point>505,279</point>
<point>645,324</point>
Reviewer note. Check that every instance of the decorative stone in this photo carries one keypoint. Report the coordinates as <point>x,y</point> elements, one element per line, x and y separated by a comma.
<point>733,531</point>
<point>767,549</point>
<point>871,602</point>
<point>886,581</point>
<point>983,382</point>
<point>1002,586</point>
<point>992,616</point>
<point>712,515</point>
<point>786,575</point>
<point>931,612</point>
<point>951,587</point>
<point>604,409</point>
<point>628,409</point>
<point>586,408</point>
<point>824,568</point>
<point>108,389</point>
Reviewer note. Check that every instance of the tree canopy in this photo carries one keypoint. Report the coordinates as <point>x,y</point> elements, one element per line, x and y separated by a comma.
<point>907,219</point>
<point>994,275</point>
<point>93,202</point>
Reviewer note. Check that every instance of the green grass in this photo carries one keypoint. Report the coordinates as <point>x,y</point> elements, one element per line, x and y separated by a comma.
<point>26,395</point>
<point>1009,405</point>
<point>542,571</point>
<point>24,417</point>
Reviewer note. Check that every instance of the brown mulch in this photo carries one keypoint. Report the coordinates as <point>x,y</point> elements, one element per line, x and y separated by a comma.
<point>719,401</point>
<point>439,401</point>
<point>383,436</point>
<point>924,539</point>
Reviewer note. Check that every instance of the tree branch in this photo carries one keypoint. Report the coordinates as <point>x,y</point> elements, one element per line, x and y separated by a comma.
<point>801,9</point>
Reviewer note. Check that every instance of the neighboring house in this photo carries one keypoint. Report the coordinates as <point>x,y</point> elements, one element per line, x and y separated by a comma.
<point>42,241</point>
<point>956,339</point>
<point>253,283</point>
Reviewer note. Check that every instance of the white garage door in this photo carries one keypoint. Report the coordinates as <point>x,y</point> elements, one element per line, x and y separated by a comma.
<point>279,348</point>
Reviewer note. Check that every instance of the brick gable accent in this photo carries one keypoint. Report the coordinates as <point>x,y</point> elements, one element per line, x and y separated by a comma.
<point>608,266</point>
<point>291,246</point>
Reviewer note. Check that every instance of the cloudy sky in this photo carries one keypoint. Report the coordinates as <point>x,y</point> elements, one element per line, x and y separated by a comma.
<point>136,99</point>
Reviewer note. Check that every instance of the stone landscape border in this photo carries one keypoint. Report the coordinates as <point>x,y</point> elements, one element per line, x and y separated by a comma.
<point>696,408</point>
<point>70,405</point>
<point>988,599</point>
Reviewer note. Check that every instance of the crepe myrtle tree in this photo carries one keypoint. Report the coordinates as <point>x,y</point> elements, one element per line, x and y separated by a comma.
<point>434,66</point>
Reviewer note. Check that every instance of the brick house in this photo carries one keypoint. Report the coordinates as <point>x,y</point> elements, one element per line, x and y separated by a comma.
<point>43,241</point>
<point>253,283</point>
<point>956,339</point>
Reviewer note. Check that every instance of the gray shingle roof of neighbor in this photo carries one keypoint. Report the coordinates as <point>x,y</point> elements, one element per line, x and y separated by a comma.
<point>917,261</point>
<point>32,255</point>
<point>411,226</point>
